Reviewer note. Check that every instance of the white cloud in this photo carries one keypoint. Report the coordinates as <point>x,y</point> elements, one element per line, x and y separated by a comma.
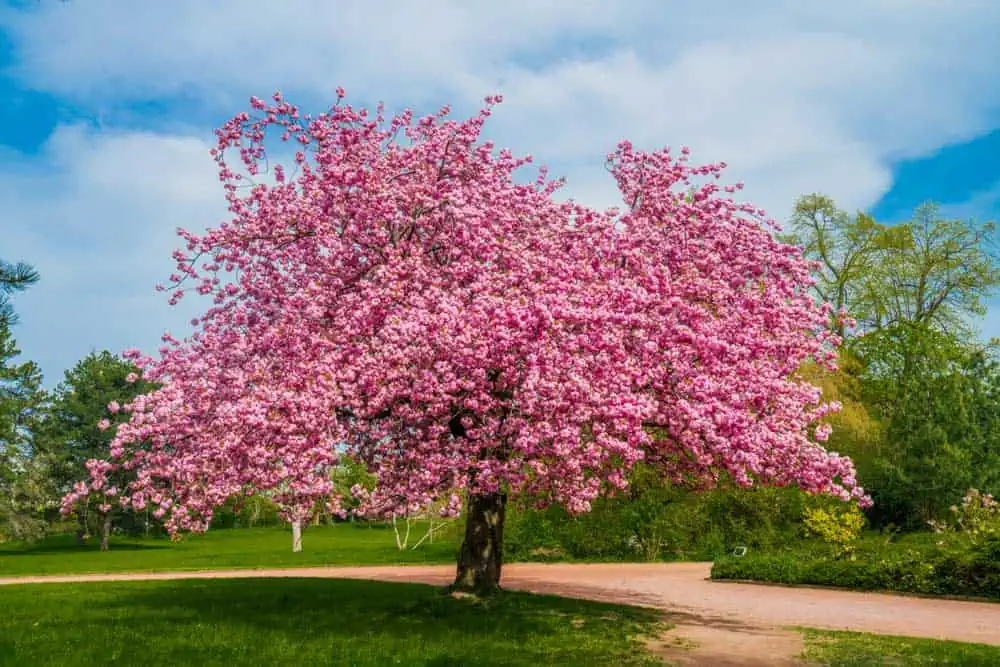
<point>96,214</point>
<point>796,96</point>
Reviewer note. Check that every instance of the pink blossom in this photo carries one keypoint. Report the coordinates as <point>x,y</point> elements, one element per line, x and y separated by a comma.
<point>406,300</point>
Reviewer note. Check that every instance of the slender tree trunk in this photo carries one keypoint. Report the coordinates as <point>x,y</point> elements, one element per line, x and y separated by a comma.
<point>105,532</point>
<point>81,528</point>
<point>481,557</point>
<point>296,536</point>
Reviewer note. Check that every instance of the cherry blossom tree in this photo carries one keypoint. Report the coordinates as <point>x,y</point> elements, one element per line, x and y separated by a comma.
<point>403,298</point>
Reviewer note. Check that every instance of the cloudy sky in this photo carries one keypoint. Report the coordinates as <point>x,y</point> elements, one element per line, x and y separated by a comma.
<point>109,106</point>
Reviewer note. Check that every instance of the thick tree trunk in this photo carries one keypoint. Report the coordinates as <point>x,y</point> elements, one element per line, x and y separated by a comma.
<point>105,532</point>
<point>481,557</point>
<point>81,528</point>
<point>296,536</point>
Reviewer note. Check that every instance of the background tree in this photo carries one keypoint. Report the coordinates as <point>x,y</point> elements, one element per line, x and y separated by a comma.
<point>24,489</point>
<point>939,399</point>
<point>916,289</point>
<point>844,248</point>
<point>77,429</point>
<point>413,304</point>
<point>939,278</point>
<point>14,277</point>
<point>930,270</point>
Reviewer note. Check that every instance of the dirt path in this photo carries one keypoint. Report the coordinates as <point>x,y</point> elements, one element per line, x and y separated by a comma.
<point>727,621</point>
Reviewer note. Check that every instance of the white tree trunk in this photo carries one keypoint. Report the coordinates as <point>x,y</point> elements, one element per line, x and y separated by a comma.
<point>296,536</point>
<point>401,541</point>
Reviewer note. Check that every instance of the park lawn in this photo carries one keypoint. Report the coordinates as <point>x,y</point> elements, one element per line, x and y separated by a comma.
<point>855,649</point>
<point>310,622</point>
<point>339,544</point>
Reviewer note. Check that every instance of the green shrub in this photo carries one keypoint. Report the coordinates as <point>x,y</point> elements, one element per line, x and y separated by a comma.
<point>840,528</point>
<point>913,565</point>
<point>975,518</point>
<point>655,521</point>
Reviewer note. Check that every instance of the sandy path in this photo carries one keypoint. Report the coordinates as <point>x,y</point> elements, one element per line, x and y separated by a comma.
<point>682,589</point>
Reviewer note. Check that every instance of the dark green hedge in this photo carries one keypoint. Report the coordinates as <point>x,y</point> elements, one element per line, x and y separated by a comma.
<point>944,570</point>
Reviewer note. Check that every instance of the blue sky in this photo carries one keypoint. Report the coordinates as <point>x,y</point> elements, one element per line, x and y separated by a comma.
<point>108,114</point>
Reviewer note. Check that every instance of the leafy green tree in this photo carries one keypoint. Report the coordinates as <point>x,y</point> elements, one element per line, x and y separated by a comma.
<point>920,410</point>
<point>72,432</point>
<point>24,485</point>
<point>844,246</point>
<point>14,277</point>
<point>940,277</point>
<point>929,270</point>
<point>939,399</point>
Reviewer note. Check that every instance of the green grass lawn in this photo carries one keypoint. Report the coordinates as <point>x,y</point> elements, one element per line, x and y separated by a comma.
<point>854,649</point>
<point>309,622</point>
<point>340,544</point>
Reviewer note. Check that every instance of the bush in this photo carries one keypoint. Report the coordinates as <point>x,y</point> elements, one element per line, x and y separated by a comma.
<point>838,528</point>
<point>654,521</point>
<point>914,565</point>
<point>977,517</point>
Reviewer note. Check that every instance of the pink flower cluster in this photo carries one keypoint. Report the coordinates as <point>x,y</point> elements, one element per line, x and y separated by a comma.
<point>403,299</point>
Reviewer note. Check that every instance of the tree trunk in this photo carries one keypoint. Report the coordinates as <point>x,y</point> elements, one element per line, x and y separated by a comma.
<point>105,532</point>
<point>296,536</point>
<point>481,557</point>
<point>81,528</point>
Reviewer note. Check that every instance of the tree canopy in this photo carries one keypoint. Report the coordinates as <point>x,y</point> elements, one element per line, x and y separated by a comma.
<point>407,301</point>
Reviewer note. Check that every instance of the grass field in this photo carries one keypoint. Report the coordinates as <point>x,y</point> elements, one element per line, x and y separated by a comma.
<point>854,649</point>
<point>337,622</point>
<point>309,622</point>
<point>340,544</point>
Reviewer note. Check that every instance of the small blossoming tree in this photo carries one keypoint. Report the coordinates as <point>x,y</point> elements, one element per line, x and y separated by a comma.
<point>404,300</point>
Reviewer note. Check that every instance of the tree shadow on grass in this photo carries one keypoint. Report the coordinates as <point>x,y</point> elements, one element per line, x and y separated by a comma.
<point>356,622</point>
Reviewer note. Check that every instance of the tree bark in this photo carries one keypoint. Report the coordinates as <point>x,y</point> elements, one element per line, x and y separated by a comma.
<point>81,528</point>
<point>481,557</point>
<point>296,536</point>
<point>105,532</point>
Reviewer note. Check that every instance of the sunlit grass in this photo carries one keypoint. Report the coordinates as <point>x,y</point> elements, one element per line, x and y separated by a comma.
<point>341,544</point>
<point>309,622</point>
<point>855,649</point>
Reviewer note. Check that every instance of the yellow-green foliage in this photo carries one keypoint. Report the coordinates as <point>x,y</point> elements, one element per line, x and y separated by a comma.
<point>840,529</point>
<point>855,430</point>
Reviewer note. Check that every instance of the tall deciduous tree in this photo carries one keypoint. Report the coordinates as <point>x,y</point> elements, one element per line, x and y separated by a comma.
<point>929,271</point>
<point>843,246</point>
<point>77,429</point>
<point>916,290</point>
<point>939,278</point>
<point>412,303</point>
